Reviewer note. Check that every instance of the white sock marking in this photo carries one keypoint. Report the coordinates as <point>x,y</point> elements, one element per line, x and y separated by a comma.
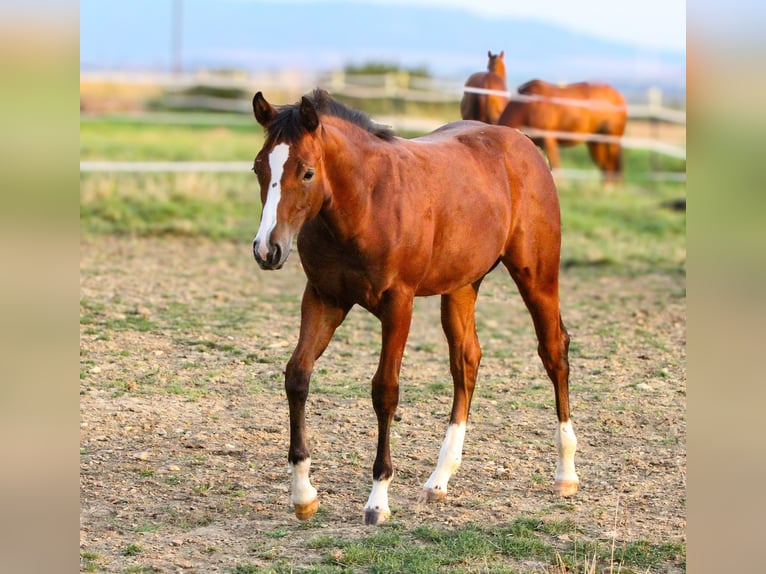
<point>301,492</point>
<point>566,444</point>
<point>378,499</point>
<point>450,457</point>
<point>277,160</point>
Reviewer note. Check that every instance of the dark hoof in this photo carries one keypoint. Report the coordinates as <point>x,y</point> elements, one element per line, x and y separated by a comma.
<point>375,517</point>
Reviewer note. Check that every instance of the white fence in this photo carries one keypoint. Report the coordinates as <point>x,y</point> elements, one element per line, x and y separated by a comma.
<point>400,86</point>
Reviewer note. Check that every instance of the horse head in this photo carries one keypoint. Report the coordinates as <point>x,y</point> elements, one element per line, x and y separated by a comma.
<point>290,175</point>
<point>496,63</point>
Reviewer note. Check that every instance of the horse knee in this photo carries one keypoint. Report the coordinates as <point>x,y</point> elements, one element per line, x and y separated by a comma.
<point>385,396</point>
<point>297,381</point>
<point>472,357</point>
<point>385,399</point>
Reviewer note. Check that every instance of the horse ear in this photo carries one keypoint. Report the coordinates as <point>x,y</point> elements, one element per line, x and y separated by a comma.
<point>308,113</point>
<point>489,53</point>
<point>502,54</point>
<point>263,110</point>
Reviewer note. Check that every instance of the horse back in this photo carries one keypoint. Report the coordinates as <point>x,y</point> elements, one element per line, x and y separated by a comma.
<point>603,109</point>
<point>490,183</point>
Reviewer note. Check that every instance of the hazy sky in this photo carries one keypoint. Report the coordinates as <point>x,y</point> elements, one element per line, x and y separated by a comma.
<point>657,24</point>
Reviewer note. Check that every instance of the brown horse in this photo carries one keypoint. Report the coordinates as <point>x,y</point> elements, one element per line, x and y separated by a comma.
<point>567,115</point>
<point>486,107</point>
<point>381,220</point>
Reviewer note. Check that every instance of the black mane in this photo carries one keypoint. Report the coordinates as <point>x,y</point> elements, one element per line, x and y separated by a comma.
<point>287,123</point>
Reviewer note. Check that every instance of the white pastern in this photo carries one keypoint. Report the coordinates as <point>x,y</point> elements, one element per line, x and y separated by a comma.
<point>450,456</point>
<point>566,444</point>
<point>301,492</point>
<point>378,500</point>
<point>277,160</point>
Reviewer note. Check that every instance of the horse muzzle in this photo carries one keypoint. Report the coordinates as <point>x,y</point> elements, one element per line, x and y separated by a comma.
<point>270,256</point>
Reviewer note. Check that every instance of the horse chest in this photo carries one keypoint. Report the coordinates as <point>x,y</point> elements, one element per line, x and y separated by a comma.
<point>342,278</point>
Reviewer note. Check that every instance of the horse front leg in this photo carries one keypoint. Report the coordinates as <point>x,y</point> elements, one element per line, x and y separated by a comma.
<point>319,320</point>
<point>395,314</point>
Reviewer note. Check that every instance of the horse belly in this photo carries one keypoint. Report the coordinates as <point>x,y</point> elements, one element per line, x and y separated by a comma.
<point>464,251</point>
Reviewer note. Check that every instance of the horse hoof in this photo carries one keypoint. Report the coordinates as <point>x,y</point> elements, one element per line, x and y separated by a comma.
<point>431,495</point>
<point>375,517</point>
<point>306,511</point>
<point>566,487</point>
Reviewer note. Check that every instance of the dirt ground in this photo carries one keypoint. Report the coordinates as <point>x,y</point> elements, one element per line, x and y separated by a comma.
<point>184,422</point>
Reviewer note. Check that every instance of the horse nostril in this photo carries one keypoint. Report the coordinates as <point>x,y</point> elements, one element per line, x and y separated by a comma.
<point>277,253</point>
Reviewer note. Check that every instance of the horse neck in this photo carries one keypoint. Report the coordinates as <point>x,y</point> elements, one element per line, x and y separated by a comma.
<point>498,68</point>
<point>349,160</point>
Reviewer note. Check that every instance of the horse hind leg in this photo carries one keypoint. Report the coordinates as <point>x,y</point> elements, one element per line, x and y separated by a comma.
<point>539,289</point>
<point>615,163</point>
<point>459,327</point>
<point>608,157</point>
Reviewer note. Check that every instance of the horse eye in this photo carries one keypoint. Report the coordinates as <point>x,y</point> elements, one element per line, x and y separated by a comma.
<point>308,175</point>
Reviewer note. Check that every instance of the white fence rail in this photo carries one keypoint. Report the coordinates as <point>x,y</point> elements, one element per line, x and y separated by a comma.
<point>244,167</point>
<point>400,86</point>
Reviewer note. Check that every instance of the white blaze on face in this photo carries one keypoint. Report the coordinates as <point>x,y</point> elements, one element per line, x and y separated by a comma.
<point>450,456</point>
<point>277,160</point>
<point>566,444</point>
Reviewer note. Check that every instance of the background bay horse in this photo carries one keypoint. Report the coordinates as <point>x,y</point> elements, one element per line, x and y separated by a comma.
<point>582,109</point>
<point>381,220</point>
<point>486,107</point>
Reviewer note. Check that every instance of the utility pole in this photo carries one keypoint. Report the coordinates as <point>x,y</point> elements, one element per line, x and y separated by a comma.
<point>177,36</point>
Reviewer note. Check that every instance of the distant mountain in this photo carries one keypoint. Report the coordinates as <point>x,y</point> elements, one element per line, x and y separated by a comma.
<point>322,36</point>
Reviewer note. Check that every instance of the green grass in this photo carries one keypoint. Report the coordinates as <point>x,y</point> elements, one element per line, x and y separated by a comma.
<point>211,137</point>
<point>132,549</point>
<point>621,226</point>
<point>89,561</point>
<point>599,227</point>
<point>217,206</point>
<point>474,548</point>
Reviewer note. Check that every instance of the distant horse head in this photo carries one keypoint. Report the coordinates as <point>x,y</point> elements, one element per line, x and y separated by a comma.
<point>496,64</point>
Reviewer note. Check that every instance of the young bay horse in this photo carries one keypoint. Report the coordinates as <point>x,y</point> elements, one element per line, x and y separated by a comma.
<point>380,220</point>
<point>585,110</point>
<point>486,107</point>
